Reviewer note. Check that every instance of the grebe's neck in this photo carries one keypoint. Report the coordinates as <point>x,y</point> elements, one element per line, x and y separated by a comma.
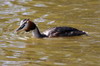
<point>36,33</point>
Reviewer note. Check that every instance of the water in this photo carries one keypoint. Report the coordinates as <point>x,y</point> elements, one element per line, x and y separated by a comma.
<point>21,49</point>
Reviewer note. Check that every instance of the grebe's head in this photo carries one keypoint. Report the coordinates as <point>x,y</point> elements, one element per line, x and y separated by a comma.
<point>26,25</point>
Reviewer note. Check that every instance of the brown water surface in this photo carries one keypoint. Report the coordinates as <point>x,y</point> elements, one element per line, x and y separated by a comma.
<point>21,49</point>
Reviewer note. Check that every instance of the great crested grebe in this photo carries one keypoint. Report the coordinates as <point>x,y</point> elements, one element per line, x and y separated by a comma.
<point>28,25</point>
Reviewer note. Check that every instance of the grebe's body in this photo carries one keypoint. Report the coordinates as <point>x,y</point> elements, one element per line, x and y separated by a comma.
<point>28,25</point>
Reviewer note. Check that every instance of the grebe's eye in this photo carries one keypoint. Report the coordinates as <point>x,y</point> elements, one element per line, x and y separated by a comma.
<point>22,26</point>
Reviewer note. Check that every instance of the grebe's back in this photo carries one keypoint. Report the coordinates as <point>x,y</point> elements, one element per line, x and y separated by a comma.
<point>63,32</point>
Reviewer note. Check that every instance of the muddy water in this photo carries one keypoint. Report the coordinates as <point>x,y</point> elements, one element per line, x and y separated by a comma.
<point>21,49</point>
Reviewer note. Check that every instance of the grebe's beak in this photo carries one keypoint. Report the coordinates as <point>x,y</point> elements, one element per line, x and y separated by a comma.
<point>20,28</point>
<point>23,25</point>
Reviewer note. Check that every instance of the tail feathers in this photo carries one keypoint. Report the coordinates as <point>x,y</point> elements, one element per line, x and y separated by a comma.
<point>86,33</point>
<point>77,33</point>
